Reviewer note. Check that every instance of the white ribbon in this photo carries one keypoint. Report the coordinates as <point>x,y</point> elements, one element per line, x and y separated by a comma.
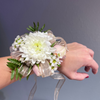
<point>56,75</point>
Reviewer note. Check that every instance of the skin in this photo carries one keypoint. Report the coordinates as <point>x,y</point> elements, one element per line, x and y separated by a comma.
<point>77,57</point>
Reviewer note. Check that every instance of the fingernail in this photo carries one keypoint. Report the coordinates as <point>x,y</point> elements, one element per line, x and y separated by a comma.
<point>87,77</point>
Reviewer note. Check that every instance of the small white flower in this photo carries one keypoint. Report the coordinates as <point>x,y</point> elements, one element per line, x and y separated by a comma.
<point>54,61</point>
<point>55,68</point>
<point>17,37</point>
<point>22,59</point>
<point>52,71</point>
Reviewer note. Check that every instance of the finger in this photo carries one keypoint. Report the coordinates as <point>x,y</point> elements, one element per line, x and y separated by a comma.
<point>87,68</point>
<point>80,76</point>
<point>91,52</point>
<point>92,64</point>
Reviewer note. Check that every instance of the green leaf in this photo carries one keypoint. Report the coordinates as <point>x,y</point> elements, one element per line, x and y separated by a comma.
<point>21,69</point>
<point>11,65</point>
<point>29,29</point>
<point>28,77</point>
<point>14,61</point>
<point>16,73</point>
<point>53,44</point>
<point>12,74</point>
<point>51,53</point>
<point>29,69</point>
<point>58,65</point>
<point>50,64</point>
<point>28,72</point>
<point>20,76</point>
<point>34,26</point>
<point>42,28</point>
<point>37,26</point>
<point>37,64</point>
<point>46,31</point>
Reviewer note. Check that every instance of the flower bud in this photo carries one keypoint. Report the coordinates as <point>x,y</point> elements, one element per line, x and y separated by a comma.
<point>60,49</point>
<point>36,70</point>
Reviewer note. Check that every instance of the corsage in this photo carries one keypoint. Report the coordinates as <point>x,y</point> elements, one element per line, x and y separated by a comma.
<point>38,51</point>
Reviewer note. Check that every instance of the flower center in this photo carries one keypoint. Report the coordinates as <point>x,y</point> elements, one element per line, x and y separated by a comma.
<point>54,61</point>
<point>37,46</point>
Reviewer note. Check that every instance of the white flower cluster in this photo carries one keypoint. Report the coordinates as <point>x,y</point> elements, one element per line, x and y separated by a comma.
<point>55,62</point>
<point>17,43</point>
<point>35,48</point>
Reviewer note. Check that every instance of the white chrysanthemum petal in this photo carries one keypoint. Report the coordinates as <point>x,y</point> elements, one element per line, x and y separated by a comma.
<point>33,61</point>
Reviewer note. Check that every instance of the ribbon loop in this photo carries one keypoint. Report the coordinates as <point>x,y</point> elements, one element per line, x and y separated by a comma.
<point>33,90</point>
<point>60,83</point>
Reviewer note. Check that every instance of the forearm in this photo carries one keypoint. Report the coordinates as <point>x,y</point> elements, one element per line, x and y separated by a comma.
<point>5,73</point>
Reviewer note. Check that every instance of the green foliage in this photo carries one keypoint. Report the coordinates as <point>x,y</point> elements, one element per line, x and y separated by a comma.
<point>14,61</point>
<point>51,53</point>
<point>12,74</point>
<point>42,28</point>
<point>53,44</point>
<point>11,65</point>
<point>36,27</point>
<point>20,76</point>
<point>14,65</point>
<point>17,74</point>
<point>30,69</point>
<point>58,65</point>
<point>27,77</point>
<point>28,72</point>
<point>37,64</point>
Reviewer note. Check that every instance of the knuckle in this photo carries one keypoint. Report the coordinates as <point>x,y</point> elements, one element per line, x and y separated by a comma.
<point>84,50</point>
<point>92,52</point>
<point>80,45</point>
<point>88,59</point>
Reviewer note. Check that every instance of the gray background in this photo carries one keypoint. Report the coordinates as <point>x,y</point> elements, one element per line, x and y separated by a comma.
<point>74,20</point>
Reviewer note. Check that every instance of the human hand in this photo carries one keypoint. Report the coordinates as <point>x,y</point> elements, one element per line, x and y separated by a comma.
<point>78,56</point>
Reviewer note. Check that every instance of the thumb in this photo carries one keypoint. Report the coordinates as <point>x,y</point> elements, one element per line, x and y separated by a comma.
<point>80,76</point>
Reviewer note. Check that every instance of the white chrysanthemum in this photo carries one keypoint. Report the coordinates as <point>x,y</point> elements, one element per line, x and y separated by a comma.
<point>36,47</point>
